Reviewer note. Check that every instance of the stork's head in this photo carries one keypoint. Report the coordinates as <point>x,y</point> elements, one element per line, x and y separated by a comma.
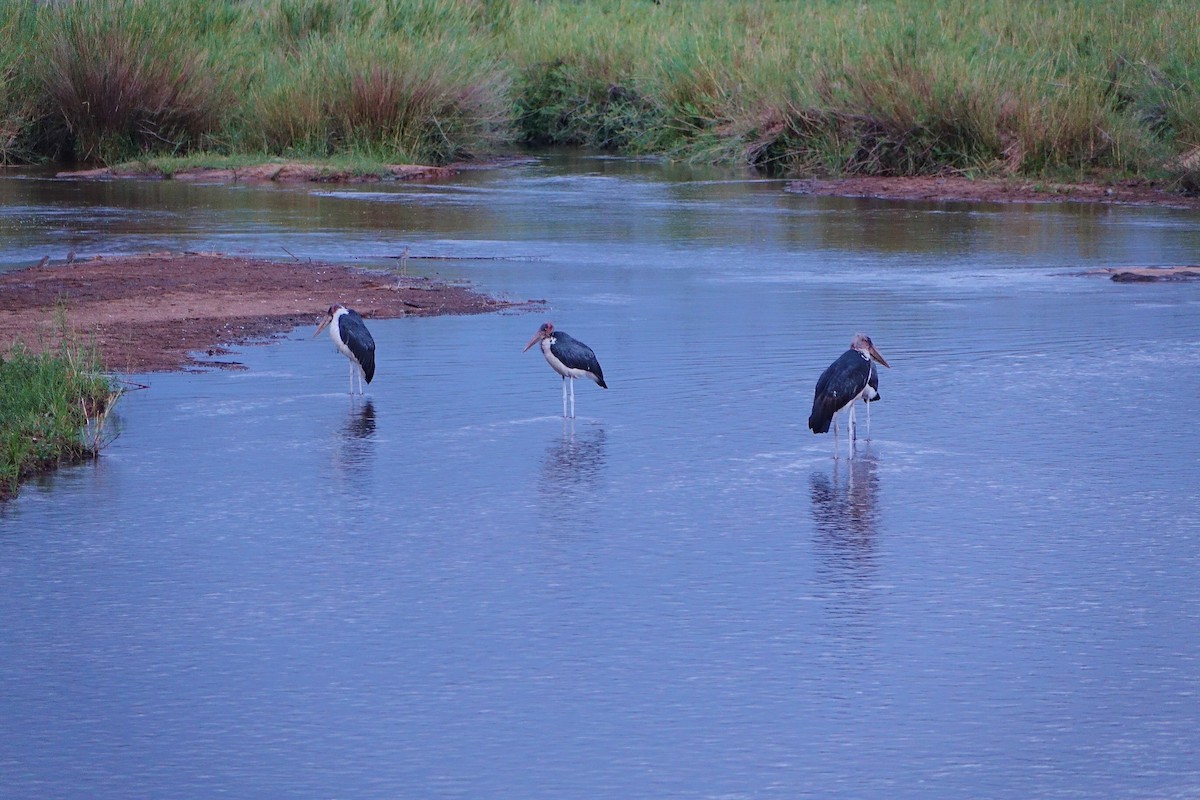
<point>544,332</point>
<point>328,318</point>
<point>862,343</point>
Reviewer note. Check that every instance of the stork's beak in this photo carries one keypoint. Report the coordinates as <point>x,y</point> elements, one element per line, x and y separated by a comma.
<point>328,318</point>
<point>875,355</point>
<point>537,337</point>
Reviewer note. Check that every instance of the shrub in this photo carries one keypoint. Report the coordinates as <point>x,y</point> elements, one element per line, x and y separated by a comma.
<point>52,409</point>
<point>415,101</point>
<point>127,77</point>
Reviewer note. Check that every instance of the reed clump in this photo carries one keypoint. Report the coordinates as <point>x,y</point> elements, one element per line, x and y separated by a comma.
<point>1074,89</point>
<point>127,77</point>
<point>400,101</point>
<point>53,409</point>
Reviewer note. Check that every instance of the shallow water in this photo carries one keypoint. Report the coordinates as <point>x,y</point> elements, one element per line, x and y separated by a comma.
<point>266,589</point>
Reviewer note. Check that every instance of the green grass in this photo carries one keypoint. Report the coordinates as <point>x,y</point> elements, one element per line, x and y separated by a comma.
<point>1068,90</point>
<point>353,163</point>
<point>52,410</point>
<point>169,166</point>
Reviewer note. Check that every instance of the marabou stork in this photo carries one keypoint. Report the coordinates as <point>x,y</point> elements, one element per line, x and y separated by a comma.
<point>569,357</point>
<point>850,377</point>
<point>353,340</point>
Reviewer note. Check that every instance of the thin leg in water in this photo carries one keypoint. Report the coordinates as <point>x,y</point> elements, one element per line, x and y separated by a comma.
<point>835,435</point>
<point>572,398</point>
<point>868,422</point>
<point>564,396</point>
<point>852,424</point>
<point>850,434</point>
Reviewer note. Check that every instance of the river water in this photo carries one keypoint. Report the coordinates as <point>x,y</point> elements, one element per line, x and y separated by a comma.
<point>266,589</point>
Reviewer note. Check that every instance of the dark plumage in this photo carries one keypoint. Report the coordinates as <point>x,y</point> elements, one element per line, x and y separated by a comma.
<point>574,354</point>
<point>354,334</point>
<point>851,376</point>
<point>352,339</point>
<point>569,357</point>
<point>840,384</point>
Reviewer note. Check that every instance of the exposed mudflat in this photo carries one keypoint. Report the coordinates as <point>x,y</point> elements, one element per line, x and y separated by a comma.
<point>168,311</point>
<point>1147,274</point>
<point>273,172</point>
<point>952,188</point>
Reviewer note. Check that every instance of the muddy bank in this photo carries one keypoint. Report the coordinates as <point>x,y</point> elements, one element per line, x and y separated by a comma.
<point>1146,274</point>
<point>993,191</point>
<point>168,311</point>
<point>274,172</point>
<point>930,189</point>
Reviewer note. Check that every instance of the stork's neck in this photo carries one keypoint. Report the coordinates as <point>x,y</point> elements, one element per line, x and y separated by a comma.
<point>549,340</point>
<point>335,327</point>
<point>865,355</point>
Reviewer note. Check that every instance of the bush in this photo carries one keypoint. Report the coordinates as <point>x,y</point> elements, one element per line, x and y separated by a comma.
<point>128,77</point>
<point>402,101</point>
<point>52,409</point>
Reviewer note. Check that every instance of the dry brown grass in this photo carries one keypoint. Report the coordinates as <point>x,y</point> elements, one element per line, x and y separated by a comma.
<point>126,81</point>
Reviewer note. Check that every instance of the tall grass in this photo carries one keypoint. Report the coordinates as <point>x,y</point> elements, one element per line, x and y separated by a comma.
<point>52,410</point>
<point>401,100</point>
<point>128,77</point>
<point>889,87</point>
<point>18,93</point>
<point>900,87</point>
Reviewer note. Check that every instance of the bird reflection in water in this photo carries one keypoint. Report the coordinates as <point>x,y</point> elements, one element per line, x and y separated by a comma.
<point>845,516</point>
<point>571,470</point>
<point>357,441</point>
<point>361,424</point>
<point>575,460</point>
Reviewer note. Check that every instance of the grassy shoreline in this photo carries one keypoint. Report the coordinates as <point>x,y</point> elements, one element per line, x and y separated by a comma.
<point>1073,90</point>
<point>53,406</point>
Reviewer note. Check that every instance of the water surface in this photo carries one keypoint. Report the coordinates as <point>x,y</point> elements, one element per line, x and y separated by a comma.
<point>266,589</point>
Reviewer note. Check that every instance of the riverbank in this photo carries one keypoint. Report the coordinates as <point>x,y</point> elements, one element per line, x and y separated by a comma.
<point>53,406</point>
<point>1069,91</point>
<point>269,171</point>
<point>170,311</point>
<point>983,190</point>
<point>915,188</point>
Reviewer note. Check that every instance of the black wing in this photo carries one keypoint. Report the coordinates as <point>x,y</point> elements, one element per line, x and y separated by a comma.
<point>838,385</point>
<point>355,335</point>
<point>577,355</point>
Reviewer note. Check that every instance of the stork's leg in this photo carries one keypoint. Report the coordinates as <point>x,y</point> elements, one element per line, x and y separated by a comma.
<point>848,444</point>
<point>564,396</point>
<point>868,422</point>
<point>835,435</point>
<point>572,398</point>
<point>351,378</point>
<point>851,433</point>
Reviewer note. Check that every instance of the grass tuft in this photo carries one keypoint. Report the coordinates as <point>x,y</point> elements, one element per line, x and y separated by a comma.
<point>127,77</point>
<point>53,409</point>
<point>393,101</point>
